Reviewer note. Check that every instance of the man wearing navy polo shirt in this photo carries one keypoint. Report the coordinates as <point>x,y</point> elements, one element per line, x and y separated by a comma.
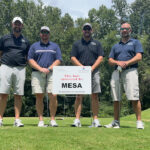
<point>13,50</point>
<point>125,56</point>
<point>88,52</point>
<point>42,57</point>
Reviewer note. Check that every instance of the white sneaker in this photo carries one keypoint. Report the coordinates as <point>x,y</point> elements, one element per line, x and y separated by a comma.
<point>76,123</point>
<point>114,124</point>
<point>53,123</point>
<point>41,124</point>
<point>139,124</point>
<point>18,123</point>
<point>1,122</point>
<point>96,123</point>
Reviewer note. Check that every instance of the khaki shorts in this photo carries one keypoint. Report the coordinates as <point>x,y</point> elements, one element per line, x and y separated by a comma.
<point>129,81</point>
<point>12,77</point>
<point>96,88</point>
<point>41,83</point>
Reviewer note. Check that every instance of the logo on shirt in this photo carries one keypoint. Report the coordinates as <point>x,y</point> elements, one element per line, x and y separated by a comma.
<point>93,43</point>
<point>130,43</point>
<point>23,41</point>
<point>43,51</point>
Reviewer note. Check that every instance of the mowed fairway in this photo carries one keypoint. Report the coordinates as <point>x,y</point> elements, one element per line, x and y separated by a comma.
<point>65,137</point>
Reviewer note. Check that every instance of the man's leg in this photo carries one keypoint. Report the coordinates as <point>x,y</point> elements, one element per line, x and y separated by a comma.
<point>95,105</point>
<point>116,110</point>
<point>39,106</point>
<point>116,122</point>
<point>3,103</point>
<point>78,106</point>
<point>52,105</point>
<point>137,109</point>
<point>95,110</point>
<point>17,105</point>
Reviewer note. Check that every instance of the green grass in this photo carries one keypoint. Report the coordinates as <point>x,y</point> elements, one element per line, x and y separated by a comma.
<point>65,137</point>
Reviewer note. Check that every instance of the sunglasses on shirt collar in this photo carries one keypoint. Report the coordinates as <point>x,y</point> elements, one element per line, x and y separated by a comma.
<point>45,32</point>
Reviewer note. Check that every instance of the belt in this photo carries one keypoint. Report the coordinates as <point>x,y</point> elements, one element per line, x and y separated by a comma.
<point>129,67</point>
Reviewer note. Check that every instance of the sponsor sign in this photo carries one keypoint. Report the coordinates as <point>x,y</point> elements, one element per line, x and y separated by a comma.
<point>71,80</point>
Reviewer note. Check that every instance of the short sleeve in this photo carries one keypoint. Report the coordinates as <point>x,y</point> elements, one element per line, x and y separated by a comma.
<point>31,52</point>
<point>58,53</point>
<point>1,44</point>
<point>74,52</point>
<point>111,55</point>
<point>100,50</point>
<point>138,47</point>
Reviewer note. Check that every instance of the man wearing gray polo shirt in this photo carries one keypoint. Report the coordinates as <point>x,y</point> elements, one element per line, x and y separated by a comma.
<point>125,56</point>
<point>13,50</point>
<point>88,52</point>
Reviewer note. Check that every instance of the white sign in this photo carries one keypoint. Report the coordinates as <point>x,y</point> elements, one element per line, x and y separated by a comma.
<point>71,80</point>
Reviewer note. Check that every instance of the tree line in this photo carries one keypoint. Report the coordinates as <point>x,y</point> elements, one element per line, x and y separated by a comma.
<point>64,31</point>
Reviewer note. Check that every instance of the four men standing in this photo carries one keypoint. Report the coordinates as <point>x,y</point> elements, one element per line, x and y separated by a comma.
<point>44,55</point>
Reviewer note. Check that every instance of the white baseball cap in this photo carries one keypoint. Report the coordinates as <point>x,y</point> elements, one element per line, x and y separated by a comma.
<point>45,28</point>
<point>87,24</point>
<point>17,19</point>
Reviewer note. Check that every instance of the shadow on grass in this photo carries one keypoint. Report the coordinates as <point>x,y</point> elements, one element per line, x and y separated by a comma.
<point>11,125</point>
<point>126,127</point>
<point>31,125</point>
<point>8,125</point>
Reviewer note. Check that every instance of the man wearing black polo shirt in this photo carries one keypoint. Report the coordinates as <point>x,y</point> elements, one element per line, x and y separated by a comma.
<point>125,56</point>
<point>13,49</point>
<point>43,56</point>
<point>88,52</point>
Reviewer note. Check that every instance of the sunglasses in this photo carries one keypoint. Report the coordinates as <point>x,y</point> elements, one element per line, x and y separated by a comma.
<point>87,28</point>
<point>44,32</point>
<point>124,29</point>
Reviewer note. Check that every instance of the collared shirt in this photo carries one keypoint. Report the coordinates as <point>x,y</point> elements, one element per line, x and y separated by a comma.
<point>87,52</point>
<point>14,50</point>
<point>44,54</point>
<point>126,51</point>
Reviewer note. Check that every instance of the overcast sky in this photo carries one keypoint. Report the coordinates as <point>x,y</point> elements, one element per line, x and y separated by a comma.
<point>78,8</point>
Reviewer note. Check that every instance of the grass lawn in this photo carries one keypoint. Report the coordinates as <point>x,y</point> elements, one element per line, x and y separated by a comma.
<point>65,137</point>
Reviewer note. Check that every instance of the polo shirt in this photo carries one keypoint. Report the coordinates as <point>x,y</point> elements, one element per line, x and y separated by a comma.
<point>44,54</point>
<point>126,51</point>
<point>87,52</point>
<point>14,50</point>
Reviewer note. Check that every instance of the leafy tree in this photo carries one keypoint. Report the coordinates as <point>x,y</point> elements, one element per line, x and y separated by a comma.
<point>140,16</point>
<point>105,19</point>
<point>122,10</point>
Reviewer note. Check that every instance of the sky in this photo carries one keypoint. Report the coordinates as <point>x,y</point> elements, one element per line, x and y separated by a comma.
<point>79,8</point>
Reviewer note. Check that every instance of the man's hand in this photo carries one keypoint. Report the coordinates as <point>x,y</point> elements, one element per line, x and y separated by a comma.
<point>44,70</point>
<point>122,64</point>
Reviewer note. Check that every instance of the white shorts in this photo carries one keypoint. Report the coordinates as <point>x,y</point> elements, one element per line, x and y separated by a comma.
<point>41,82</point>
<point>128,79</point>
<point>12,77</point>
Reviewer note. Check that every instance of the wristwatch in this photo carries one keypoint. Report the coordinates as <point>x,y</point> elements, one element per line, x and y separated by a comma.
<point>50,70</point>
